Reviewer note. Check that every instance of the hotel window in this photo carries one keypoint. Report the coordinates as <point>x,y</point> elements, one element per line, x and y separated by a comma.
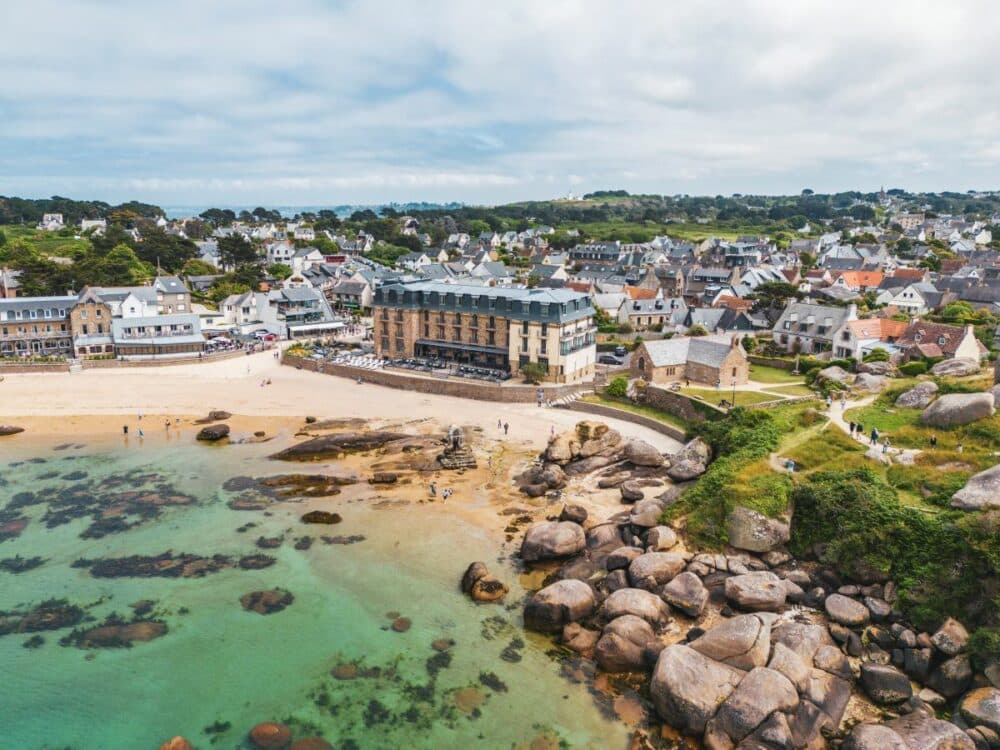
<point>545,329</point>
<point>493,322</point>
<point>385,343</point>
<point>83,314</point>
<point>544,347</point>
<point>427,331</point>
<point>524,328</point>
<point>97,313</point>
<point>491,338</point>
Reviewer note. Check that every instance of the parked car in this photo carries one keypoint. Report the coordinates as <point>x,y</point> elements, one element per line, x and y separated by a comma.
<point>609,359</point>
<point>620,351</point>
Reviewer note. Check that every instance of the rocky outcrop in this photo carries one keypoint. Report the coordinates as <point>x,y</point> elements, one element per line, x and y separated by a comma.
<point>542,478</point>
<point>270,735</point>
<point>955,409</point>
<point>481,586</point>
<point>846,611</point>
<point>642,604</point>
<point>835,373</point>
<point>918,397</point>
<point>331,446</point>
<point>760,694</point>
<point>686,593</point>
<point>653,569</point>
<point>321,516</point>
<point>10,429</point>
<point>624,644</point>
<point>267,602</point>
<point>915,731</point>
<point>957,367</point>
<point>213,432</point>
<point>951,637</point>
<point>691,462</point>
<point>559,604</point>
<point>877,368</point>
<point>552,539</point>
<point>981,491</point>
<point>869,382</point>
<point>641,453</point>
<point>885,684</point>
<point>753,531</point>
<point>743,642</point>
<point>759,590</point>
<point>687,687</point>
<point>981,708</point>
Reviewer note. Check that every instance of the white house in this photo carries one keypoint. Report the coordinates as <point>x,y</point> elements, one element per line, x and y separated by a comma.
<point>917,299</point>
<point>280,252</point>
<point>307,234</point>
<point>97,225</point>
<point>51,222</point>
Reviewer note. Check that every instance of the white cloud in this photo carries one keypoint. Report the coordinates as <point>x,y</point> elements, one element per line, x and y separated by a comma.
<point>359,100</point>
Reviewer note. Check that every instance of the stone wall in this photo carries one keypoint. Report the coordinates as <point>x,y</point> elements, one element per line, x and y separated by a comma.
<point>478,391</point>
<point>610,412</point>
<point>26,367</point>
<point>109,364</point>
<point>677,404</point>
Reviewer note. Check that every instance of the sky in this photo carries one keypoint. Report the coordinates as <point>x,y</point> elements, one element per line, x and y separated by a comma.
<point>321,102</point>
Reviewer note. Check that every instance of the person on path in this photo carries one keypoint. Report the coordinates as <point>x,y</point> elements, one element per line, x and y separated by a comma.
<point>433,488</point>
<point>850,427</point>
<point>933,441</point>
<point>885,444</point>
<point>843,403</point>
<point>124,429</point>
<point>829,401</point>
<point>874,436</point>
<point>506,427</point>
<point>861,430</point>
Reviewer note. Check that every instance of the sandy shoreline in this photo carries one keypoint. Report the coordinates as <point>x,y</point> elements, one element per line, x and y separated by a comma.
<point>102,401</point>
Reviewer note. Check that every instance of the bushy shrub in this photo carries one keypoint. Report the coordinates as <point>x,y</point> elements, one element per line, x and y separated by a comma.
<point>618,387</point>
<point>912,369</point>
<point>877,355</point>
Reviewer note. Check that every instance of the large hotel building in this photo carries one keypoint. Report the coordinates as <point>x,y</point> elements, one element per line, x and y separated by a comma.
<point>501,328</point>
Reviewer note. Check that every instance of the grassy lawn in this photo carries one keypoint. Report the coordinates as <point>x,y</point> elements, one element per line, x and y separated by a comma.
<point>712,396</point>
<point>46,243</point>
<point>883,417</point>
<point>765,374</point>
<point>791,390</point>
<point>646,411</point>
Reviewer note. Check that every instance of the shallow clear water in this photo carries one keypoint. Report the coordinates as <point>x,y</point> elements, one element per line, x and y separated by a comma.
<point>219,663</point>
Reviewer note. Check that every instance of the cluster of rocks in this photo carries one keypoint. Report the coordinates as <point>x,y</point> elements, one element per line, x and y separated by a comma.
<point>770,651</point>
<point>872,376</point>
<point>213,433</point>
<point>481,585</point>
<point>268,735</point>
<point>593,446</point>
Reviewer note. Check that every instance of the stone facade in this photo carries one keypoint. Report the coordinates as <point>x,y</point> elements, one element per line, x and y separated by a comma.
<point>498,329</point>
<point>90,322</point>
<point>36,327</point>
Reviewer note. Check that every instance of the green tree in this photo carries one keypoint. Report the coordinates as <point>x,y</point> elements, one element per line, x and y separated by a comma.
<point>222,289</point>
<point>235,251</point>
<point>279,270</point>
<point>196,267</point>
<point>3,238</point>
<point>773,295</point>
<point>534,372</point>
<point>122,267</point>
<point>618,387</point>
<point>697,330</point>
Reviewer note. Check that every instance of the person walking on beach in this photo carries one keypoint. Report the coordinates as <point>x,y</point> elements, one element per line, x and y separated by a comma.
<point>141,433</point>
<point>433,488</point>
<point>499,425</point>
<point>125,429</point>
<point>506,427</point>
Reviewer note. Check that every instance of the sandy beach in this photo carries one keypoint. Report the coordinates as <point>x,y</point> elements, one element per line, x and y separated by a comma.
<point>95,401</point>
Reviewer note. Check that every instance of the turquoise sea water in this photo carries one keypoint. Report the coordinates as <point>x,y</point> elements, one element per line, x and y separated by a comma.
<point>219,664</point>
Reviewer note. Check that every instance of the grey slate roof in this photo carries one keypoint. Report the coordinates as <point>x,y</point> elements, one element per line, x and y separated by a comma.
<point>703,350</point>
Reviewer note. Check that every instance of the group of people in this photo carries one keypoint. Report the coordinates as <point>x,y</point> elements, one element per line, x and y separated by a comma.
<point>445,492</point>
<point>858,430</point>
<point>501,425</point>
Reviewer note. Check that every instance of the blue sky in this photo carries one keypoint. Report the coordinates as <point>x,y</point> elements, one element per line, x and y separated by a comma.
<point>322,102</point>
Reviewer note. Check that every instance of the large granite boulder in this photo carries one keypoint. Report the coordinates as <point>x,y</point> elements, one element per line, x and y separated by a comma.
<point>877,368</point>
<point>922,731</point>
<point>691,462</point>
<point>981,491</point>
<point>957,409</point>
<point>653,569</point>
<point>952,677</point>
<point>846,611</point>
<point>885,684</point>
<point>873,737</point>
<point>552,539</point>
<point>10,429</point>
<point>981,708</point>
<point>623,644</point>
<point>951,637</point>
<point>646,514</point>
<point>687,687</point>
<point>687,593</point>
<point>762,692</point>
<point>608,443</point>
<point>918,397</point>
<point>270,735</point>
<point>790,664</point>
<point>957,367</point>
<point>759,590</point>
<point>563,448</point>
<point>660,539</point>
<point>213,432</point>
<point>643,604</point>
<point>641,453</point>
<point>868,382</point>
<point>559,604</point>
<point>834,373</point>
<point>743,642</point>
<point>753,531</point>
